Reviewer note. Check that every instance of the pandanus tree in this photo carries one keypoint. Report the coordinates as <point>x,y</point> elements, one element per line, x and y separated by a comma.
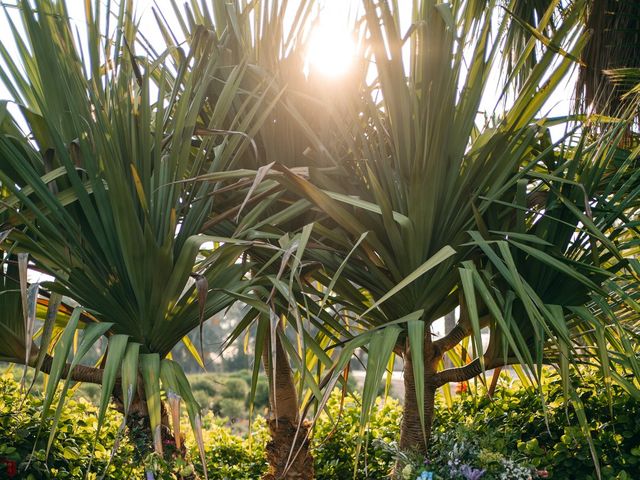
<point>448,210</point>
<point>162,155</point>
<point>96,191</point>
<point>297,132</point>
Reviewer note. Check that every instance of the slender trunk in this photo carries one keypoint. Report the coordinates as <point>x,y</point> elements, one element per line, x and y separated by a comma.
<point>288,450</point>
<point>412,437</point>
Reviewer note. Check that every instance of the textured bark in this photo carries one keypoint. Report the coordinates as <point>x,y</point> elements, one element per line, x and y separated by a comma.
<point>460,374</point>
<point>288,450</point>
<point>283,398</point>
<point>80,373</point>
<point>458,333</point>
<point>412,437</point>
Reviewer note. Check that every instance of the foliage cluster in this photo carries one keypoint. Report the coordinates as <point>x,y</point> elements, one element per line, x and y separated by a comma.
<point>230,456</point>
<point>506,436</point>
<point>460,453</point>
<point>551,441</point>
<point>336,439</point>
<point>501,436</point>
<point>22,441</point>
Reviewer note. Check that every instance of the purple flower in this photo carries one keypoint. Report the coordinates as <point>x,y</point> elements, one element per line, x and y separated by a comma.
<point>471,473</point>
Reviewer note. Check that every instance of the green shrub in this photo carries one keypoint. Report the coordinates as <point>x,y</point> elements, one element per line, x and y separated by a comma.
<point>506,433</point>
<point>205,401</point>
<point>232,409</point>
<point>89,392</point>
<point>506,436</point>
<point>229,456</point>
<point>210,389</point>
<point>244,375</point>
<point>334,446</point>
<point>555,443</point>
<point>205,383</point>
<point>20,422</point>
<point>235,388</point>
<point>261,400</point>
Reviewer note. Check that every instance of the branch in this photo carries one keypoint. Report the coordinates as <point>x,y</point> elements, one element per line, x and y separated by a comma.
<point>457,334</point>
<point>453,338</point>
<point>470,370</point>
<point>80,373</point>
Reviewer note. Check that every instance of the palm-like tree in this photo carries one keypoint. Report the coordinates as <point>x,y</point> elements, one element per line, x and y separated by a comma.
<point>257,206</point>
<point>435,194</point>
<point>157,153</point>
<point>100,196</point>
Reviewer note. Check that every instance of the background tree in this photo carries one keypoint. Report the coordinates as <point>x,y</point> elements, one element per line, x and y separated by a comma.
<point>299,133</point>
<point>609,55</point>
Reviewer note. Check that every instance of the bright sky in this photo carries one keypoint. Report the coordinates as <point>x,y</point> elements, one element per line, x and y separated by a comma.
<point>331,46</point>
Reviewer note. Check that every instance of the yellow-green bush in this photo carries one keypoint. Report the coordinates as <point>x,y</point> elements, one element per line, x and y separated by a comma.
<point>506,432</point>
<point>334,446</point>
<point>22,441</point>
<point>514,424</point>
<point>230,456</point>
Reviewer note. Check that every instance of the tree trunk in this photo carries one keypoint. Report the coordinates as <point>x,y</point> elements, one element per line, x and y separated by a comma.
<point>412,436</point>
<point>288,450</point>
<point>141,436</point>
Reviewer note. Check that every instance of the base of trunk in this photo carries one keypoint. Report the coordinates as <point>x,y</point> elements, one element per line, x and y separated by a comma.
<point>414,437</point>
<point>141,437</point>
<point>283,440</point>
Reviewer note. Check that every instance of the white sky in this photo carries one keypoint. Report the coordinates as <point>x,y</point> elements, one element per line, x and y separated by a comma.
<point>335,18</point>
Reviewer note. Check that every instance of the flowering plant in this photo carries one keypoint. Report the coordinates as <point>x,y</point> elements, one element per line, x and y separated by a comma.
<point>461,454</point>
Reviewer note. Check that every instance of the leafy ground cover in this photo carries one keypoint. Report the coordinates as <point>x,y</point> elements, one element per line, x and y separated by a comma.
<point>23,442</point>
<point>508,436</point>
<point>552,442</point>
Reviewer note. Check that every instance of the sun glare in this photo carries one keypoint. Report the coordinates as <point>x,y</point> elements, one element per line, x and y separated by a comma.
<point>331,49</point>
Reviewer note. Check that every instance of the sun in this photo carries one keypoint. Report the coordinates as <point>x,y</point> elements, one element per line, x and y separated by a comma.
<point>331,49</point>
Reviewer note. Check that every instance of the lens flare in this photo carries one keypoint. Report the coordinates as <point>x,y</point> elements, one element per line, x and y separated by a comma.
<point>331,50</point>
